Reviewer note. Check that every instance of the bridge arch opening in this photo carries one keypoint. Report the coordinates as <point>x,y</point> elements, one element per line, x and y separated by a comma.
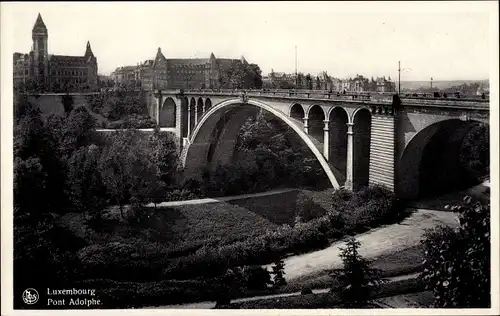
<point>361,147</point>
<point>167,113</point>
<point>184,117</point>
<point>297,112</point>
<point>208,104</point>
<point>316,117</point>
<point>338,138</point>
<point>439,158</point>
<point>206,146</point>
<point>192,114</point>
<point>199,108</point>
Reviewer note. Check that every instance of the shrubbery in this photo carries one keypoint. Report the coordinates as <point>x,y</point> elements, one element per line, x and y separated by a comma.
<point>307,210</point>
<point>213,260</point>
<point>457,262</point>
<point>116,294</point>
<point>366,208</point>
<point>132,121</point>
<point>475,152</point>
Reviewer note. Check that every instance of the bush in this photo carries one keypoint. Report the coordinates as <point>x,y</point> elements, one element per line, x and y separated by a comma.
<point>457,262</point>
<point>256,277</point>
<point>306,209</point>
<point>368,207</point>
<point>123,261</point>
<point>475,152</point>
<point>306,291</point>
<point>116,294</point>
<point>213,260</point>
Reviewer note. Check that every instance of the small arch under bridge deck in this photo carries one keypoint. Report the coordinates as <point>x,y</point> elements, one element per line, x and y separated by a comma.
<point>358,138</point>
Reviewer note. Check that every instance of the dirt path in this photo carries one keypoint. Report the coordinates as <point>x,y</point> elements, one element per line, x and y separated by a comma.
<point>220,199</point>
<point>376,242</point>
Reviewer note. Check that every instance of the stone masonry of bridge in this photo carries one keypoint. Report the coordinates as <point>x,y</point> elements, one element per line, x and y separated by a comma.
<point>358,139</point>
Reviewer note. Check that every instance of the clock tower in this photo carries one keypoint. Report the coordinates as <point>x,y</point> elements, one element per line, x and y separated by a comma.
<point>40,37</point>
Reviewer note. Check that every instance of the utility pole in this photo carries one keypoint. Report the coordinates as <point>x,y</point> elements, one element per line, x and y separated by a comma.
<point>399,77</point>
<point>296,78</point>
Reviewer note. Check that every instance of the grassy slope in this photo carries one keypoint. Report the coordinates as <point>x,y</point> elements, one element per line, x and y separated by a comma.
<point>178,226</point>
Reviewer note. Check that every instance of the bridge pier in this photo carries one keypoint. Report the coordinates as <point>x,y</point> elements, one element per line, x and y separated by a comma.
<point>349,169</point>
<point>159,103</point>
<point>382,148</point>
<point>326,140</point>
<point>306,125</point>
<point>188,121</point>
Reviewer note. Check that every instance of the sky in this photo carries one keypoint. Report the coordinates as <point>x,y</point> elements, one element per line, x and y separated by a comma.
<point>446,41</point>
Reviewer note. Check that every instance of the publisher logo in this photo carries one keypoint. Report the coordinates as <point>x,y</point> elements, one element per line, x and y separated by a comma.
<point>30,296</point>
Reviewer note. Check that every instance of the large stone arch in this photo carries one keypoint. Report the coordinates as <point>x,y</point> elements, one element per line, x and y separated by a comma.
<point>430,161</point>
<point>167,113</point>
<point>197,152</point>
<point>362,121</point>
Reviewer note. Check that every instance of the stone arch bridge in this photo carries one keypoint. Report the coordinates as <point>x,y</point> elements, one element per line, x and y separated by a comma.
<point>359,139</point>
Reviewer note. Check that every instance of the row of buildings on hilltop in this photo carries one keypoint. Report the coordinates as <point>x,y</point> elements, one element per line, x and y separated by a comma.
<point>170,73</point>
<point>40,71</point>
<point>280,80</point>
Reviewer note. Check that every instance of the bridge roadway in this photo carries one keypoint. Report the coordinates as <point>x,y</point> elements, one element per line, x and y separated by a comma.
<point>358,138</point>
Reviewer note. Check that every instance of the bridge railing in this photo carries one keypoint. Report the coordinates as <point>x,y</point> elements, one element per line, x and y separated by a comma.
<point>329,94</point>
<point>301,94</point>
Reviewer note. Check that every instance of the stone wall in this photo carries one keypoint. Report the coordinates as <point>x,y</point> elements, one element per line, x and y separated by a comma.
<point>382,151</point>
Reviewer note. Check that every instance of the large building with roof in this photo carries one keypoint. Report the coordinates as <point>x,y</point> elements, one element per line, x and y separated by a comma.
<point>174,73</point>
<point>41,71</point>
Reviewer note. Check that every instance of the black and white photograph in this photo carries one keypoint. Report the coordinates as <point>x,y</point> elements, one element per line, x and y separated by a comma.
<point>325,157</point>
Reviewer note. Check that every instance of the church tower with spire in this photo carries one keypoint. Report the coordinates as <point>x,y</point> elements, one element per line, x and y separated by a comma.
<point>42,72</point>
<point>40,36</point>
<point>91,62</point>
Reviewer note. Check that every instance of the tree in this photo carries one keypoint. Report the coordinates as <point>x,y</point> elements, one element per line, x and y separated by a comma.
<point>78,131</point>
<point>357,280</point>
<point>256,76</point>
<point>309,82</point>
<point>278,269</point>
<point>475,152</point>
<point>318,83</point>
<point>34,139</point>
<point>30,199</point>
<point>21,106</point>
<point>228,283</point>
<point>163,153</point>
<point>68,103</point>
<point>300,80</point>
<point>457,261</point>
<point>87,190</point>
<point>256,277</point>
<point>164,162</point>
<point>114,167</point>
<point>129,170</point>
